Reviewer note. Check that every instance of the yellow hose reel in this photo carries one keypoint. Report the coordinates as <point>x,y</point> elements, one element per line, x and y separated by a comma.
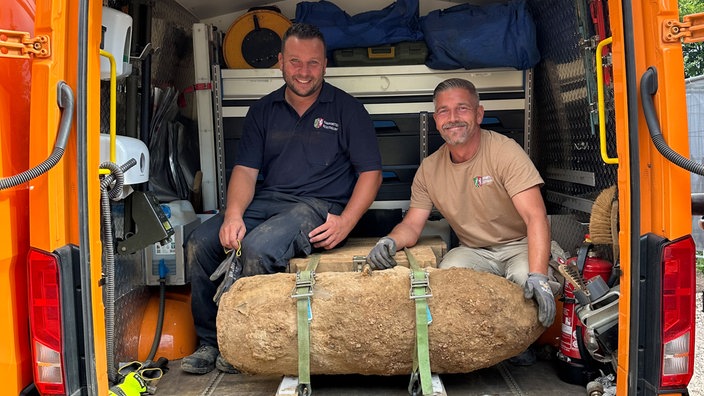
<point>253,41</point>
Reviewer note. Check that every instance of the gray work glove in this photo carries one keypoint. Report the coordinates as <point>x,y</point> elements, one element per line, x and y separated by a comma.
<point>231,267</point>
<point>382,254</point>
<point>537,287</point>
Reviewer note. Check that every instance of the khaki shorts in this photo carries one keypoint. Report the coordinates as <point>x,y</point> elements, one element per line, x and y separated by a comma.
<point>509,260</point>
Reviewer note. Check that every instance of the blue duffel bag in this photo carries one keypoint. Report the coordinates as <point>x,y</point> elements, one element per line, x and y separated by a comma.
<point>472,37</point>
<point>395,23</point>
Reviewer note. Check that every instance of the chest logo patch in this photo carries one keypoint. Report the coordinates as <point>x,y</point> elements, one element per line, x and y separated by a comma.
<point>482,180</point>
<point>321,123</point>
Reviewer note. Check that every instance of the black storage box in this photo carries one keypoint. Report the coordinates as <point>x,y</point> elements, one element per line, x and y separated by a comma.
<point>404,53</point>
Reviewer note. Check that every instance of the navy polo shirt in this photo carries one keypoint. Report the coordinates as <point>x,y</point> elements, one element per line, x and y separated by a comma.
<point>317,155</point>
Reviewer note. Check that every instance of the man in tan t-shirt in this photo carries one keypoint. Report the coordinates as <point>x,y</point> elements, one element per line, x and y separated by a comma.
<point>488,189</point>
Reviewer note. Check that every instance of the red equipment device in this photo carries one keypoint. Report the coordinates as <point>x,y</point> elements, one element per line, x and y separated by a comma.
<point>574,364</point>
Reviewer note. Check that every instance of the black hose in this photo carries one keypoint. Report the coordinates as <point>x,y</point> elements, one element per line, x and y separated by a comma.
<point>160,320</point>
<point>648,88</point>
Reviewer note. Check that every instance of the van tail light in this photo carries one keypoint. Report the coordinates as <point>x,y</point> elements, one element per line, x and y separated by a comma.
<point>678,312</point>
<point>45,316</point>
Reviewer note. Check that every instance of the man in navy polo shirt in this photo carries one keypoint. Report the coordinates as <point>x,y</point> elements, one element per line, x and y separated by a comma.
<point>315,147</point>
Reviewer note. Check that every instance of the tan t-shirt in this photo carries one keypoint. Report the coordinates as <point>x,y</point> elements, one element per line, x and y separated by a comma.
<point>475,196</point>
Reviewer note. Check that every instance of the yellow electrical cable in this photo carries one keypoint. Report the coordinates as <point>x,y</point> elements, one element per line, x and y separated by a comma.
<point>113,107</point>
<point>238,252</point>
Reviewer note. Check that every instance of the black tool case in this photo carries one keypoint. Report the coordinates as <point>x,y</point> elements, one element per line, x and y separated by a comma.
<point>404,53</point>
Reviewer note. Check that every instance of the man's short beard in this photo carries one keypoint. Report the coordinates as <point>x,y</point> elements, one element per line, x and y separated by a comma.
<point>291,85</point>
<point>461,140</point>
<point>298,93</point>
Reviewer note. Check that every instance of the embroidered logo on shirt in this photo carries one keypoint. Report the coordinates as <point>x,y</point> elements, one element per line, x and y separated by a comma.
<point>482,180</point>
<point>321,123</point>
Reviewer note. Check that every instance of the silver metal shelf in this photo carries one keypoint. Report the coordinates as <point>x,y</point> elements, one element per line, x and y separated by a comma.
<point>375,81</point>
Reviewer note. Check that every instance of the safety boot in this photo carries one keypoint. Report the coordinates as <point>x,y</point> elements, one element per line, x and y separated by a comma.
<point>525,358</point>
<point>225,366</point>
<point>201,361</point>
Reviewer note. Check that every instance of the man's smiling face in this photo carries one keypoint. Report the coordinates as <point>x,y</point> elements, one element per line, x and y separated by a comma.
<point>303,65</point>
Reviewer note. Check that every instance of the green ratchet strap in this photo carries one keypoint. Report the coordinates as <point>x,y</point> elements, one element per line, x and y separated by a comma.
<point>420,292</point>
<point>303,292</point>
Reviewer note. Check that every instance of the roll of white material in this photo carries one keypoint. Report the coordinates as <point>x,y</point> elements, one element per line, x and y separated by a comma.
<point>117,40</point>
<point>125,149</point>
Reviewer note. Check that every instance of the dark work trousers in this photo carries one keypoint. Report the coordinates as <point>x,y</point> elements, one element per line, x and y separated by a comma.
<point>277,230</point>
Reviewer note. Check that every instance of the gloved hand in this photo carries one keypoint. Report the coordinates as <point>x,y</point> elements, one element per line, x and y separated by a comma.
<point>131,385</point>
<point>231,267</point>
<point>381,255</point>
<point>537,287</point>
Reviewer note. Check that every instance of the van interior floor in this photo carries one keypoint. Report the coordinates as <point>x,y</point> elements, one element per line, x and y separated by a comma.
<point>501,379</point>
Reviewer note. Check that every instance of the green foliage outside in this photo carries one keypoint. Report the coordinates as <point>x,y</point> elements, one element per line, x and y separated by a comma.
<point>693,53</point>
<point>700,262</point>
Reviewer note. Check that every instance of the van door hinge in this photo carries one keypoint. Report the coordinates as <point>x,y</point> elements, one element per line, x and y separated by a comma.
<point>14,44</point>
<point>690,30</point>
